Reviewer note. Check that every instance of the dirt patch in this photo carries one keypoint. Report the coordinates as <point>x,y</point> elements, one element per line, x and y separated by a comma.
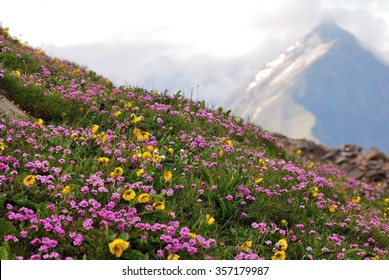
<point>10,110</point>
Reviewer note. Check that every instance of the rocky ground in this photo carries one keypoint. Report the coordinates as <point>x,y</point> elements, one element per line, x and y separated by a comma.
<point>367,166</point>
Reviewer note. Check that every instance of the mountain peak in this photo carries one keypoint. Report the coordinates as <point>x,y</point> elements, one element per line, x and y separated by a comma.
<point>326,88</point>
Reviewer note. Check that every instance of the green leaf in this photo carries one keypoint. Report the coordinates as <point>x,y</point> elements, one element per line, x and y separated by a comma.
<point>124,235</point>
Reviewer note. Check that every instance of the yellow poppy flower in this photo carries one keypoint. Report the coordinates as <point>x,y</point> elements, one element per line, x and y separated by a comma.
<point>95,128</point>
<point>167,175</point>
<point>282,245</point>
<point>279,255</point>
<point>210,220</point>
<point>29,180</point>
<point>144,198</point>
<point>66,190</point>
<point>173,257</point>
<point>129,195</point>
<point>117,247</point>
<point>159,205</point>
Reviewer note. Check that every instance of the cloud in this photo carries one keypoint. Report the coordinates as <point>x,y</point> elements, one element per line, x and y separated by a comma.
<point>211,47</point>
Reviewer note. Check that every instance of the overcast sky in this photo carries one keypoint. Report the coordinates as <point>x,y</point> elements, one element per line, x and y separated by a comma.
<point>208,47</point>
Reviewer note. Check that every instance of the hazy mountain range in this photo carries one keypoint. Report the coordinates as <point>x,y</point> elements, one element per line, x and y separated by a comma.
<point>326,87</point>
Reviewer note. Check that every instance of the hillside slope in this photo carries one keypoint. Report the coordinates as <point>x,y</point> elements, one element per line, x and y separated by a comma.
<point>122,173</point>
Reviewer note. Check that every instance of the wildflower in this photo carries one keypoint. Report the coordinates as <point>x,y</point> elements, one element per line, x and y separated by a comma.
<point>298,152</point>
<point>282,245</point>
<point>229,143</point>
<point>127,105</point>
<point>168,176</point>
<point>118,171</point>
<point>17,73</point>
<point>137,119</point>
<point>279,255</point>
<point>103,160</point>
<point>221,153</point>
<point>140,172</point>
<point>66,190</point>
<point>258,181</point>
<point>117,113</point>
<point>310,165</point>
<point>95,128</point>
<point>159,205</point>
<point>117,247</point>
<point>247,245</point>
<point>146,155</point>
<point>210,220</point>
<point>171,150</point>
<point>314,191</point>
<point>173,257</point>
<point>39,122</point>
<point>129,195</point>
<point>284,223</point>
<point>29,180</point>
<point>333,208</point>
<point>74,136</point>
<point>386,200</point>
<point>2,146</point>
<point>192,235</point>
<point>144,198</point>
<point>356,199</point>
<point>141,135</point>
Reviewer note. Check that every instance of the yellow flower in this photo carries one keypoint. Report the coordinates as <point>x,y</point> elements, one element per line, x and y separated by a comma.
<point>141,135</point>
<point>39,122</point>
<point>247,245</point>
<point>117,247</point>
<point>279,255</point>
<point>210,220</point>
<point>314,191</point>
<point>311,165</point>
<point>103,160</point>
<point>282,245</point>
<point>284,223</point>
<point>140,172</point>
<point>229,143</point>
<point>95,128</point>
<point>127,105</point>
<point>144,198</point>
<point>159,205</point>
<point>333,208</point>
<point>171,150</point>
<point>258,181</point>
<point>156,158</point>
<point>102,137</point>
<point>118,171</point>
<point>356,199</point>
<point>29,180</point>
<point>173,257</point>
<point>129,195</point>
<point>221,153</point>
<point>66,190</point>
<point>117,114</point>
<point>137,119</point>
<point>192,235</point>
<point>17,73</point>
<point>2,146</point>
<point>146,155</point>
<point>386,200</point>
<point>74,136</point>
<point>167,175</point>
<point>298,152</point>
